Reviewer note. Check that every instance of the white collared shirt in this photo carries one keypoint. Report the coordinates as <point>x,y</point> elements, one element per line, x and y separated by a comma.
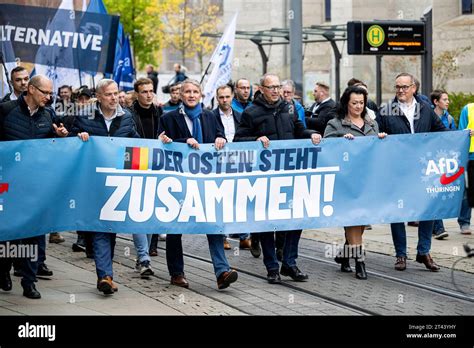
<point>409,111</point>
<point>229,125</point>
<point>319,104</point>
<point>13,96</point>
<point>108,120</point>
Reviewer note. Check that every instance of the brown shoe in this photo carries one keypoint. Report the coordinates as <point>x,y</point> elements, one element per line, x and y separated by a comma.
<point>226,278</point>
<point>153,252</point>
<point>428,262</point>
<point>245,244</point>
<point>106,285</point>
<point>227,245</point>
<point>180,280</point>
<point>401,263</point>
<point>56,238</point>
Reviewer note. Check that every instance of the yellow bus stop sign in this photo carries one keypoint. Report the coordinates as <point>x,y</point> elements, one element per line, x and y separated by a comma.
<point>375,36</point>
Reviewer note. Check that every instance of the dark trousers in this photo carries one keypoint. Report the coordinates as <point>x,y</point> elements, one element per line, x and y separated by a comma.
<point>29,267</point>
<point>290,249</point>
<point>154,242</point>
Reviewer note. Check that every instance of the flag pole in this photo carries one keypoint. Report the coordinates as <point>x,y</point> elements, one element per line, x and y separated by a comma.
<point>205,72</point>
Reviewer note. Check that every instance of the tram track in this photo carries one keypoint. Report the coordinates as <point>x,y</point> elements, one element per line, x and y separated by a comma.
<point>336,302</point>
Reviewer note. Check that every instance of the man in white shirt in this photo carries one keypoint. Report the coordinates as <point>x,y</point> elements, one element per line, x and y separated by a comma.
<point>230,119</point>
<point>19,78</point>
<point>409,114</point>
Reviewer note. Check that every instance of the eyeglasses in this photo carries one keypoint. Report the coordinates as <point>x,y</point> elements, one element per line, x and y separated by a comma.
<point>403,88</point>
<point>48,94</point>
<point>273,88</point>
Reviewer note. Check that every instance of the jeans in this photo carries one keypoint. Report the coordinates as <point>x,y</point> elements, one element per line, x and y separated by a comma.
<point>175,260</point>
<point>290,249</point>
<point>438,226</point>
<point>399,236</point>
<point>104,244</point>
<point>28,267</point>
<point>464,218</point>
<point>141,242</point>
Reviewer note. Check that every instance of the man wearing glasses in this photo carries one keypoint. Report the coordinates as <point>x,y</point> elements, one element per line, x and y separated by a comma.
<point>407,113</point>
<point>242,95</point>
<point>271,118</point>
<point>22,119</point>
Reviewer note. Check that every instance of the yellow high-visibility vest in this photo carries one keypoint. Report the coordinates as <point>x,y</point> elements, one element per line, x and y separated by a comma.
<point>470,123</point>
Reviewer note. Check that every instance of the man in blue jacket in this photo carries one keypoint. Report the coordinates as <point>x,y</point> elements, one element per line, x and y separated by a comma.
<point>193,125</point>
<point>409,114</point>
<point>22,119</point>
<point>108,119</point>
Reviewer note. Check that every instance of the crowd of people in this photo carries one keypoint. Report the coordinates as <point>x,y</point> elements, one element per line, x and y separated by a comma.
<point>266,112</point>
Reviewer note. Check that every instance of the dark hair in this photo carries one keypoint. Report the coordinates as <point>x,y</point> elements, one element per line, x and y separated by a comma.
<point>16,70</point>
<point>342,108</point>
<point>64,86</point>
<point>141,82</point>
<point>353,81</point>
<point>436,95</point>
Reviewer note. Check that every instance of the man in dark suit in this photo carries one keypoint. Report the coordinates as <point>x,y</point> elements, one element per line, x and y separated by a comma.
<point>193,125</point>
<point>322,111</point>
<point>230,119</point>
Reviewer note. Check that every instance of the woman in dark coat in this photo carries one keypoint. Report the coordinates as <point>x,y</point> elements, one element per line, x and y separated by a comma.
<point>352,121</point>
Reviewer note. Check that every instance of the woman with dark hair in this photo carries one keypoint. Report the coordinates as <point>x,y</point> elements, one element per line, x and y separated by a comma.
<point>352,121</point>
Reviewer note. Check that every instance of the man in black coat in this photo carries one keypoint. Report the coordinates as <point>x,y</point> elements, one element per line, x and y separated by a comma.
<point>193,125</point>
<point>153,76</point>
<point>19,78</point>
<point>409,114</point>
<point>147,119</point>
<point>323,109</point>
<point>108,119</point>
<point>272,118</point>
<point>22,119</point>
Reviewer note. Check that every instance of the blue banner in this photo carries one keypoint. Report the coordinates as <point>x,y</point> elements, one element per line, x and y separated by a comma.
<point>59,37</point>
<point>124,75</point>
<point>144,186</point>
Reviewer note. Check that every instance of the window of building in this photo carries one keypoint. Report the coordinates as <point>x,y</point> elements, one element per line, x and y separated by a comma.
<point>327,10</point>
<point>466,6</point>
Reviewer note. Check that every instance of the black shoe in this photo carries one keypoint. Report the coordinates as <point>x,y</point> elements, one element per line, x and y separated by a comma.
<point>44,271</point>
<point>344,262</point>
<point>31,292</point>
<point>360,270</point>
<point>279,254</point>
<point>6,282</point>
<point>78,247</point>
<point>255,248</point>
<point>294,273</point>
<point>273,277</point>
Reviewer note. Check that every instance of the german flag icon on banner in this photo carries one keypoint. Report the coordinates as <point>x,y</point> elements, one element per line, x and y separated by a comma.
<point>136,158</point>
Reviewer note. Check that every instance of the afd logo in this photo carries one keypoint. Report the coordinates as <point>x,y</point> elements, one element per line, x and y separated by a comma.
<point>448,169</point>
<point>3,189</point>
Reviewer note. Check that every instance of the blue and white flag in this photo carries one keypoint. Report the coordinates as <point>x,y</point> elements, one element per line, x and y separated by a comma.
<point>124,75</point>
<point>222,61</point>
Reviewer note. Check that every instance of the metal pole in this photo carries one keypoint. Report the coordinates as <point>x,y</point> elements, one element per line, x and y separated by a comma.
<point>296,44</point>
<point>378,79</point>
<point>427,58</point>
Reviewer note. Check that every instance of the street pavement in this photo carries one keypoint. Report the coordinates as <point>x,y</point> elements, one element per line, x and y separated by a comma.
<point>72,288</point>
